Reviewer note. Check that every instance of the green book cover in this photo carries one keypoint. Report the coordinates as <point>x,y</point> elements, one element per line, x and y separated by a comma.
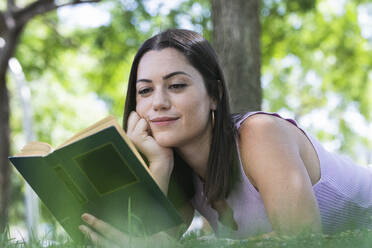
<point>101,175</point>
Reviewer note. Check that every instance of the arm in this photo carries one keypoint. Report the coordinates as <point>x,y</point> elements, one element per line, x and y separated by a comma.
<point>270,152</point>
<point>160,158</point>
<point>105,235</point>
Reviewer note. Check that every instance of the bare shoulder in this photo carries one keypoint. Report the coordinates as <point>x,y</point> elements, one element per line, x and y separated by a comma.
<point>267,143</point>
<point>268,126</point>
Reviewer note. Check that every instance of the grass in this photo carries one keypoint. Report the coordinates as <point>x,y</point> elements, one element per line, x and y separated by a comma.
<point>355,238</point>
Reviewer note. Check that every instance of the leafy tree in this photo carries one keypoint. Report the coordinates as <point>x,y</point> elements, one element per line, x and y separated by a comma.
<point>316,60</point>
<point>13,19</point>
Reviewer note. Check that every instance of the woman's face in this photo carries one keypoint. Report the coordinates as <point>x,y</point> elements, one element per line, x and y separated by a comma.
<point>171,96</point>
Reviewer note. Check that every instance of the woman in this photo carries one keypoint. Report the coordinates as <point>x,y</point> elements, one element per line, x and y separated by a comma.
<point>246,174</point>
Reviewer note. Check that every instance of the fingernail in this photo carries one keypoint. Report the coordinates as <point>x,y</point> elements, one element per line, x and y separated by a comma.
<point>85,217</point>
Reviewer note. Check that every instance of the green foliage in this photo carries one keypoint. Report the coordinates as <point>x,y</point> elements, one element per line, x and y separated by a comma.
<point>5,238</point>
<point>309,55</point>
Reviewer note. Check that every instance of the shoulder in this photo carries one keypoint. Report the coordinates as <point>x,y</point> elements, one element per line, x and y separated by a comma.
<point>263,133</point>
<point>268,126</point>
<point>267,143</point>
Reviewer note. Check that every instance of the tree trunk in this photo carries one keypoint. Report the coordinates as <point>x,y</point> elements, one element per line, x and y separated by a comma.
<point>10,37</point>
<point>6,52</point>
<point>236,38</point>
<point>4,153</point>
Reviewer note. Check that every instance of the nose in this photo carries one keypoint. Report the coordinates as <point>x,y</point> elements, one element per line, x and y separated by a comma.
<point>160,100</point>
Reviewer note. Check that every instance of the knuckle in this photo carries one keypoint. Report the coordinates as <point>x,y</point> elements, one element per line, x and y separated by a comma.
<point>133,115</point>
<point>129,135</point>
<point>135,140</point>
<point>141,121</point>
<point>132,137</point>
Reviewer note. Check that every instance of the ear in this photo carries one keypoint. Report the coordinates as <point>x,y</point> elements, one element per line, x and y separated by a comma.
<point>213,105</point>
<point>220,93</point>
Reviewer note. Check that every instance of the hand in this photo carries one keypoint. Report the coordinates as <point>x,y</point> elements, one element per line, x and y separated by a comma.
<point>160,158</point>
<point>139,133</point>
<point>103,234</point>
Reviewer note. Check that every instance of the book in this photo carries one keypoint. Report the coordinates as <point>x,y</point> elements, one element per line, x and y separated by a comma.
<point>97,171</point>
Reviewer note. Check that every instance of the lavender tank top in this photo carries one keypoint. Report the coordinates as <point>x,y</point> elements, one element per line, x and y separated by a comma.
<point>343,193</point>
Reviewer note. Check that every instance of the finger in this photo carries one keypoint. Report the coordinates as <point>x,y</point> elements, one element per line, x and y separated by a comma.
<point>104,228</point>
<point>132,121</point>
<point>96,238</point>
<point>141,128</point>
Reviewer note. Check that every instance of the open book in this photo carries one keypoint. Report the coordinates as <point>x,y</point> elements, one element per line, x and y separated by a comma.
<point>97,171</point>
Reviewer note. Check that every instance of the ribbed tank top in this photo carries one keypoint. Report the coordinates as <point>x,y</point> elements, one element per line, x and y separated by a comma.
<point>343,193</point>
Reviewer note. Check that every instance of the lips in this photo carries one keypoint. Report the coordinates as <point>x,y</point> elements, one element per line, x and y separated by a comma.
<point>163,119</point>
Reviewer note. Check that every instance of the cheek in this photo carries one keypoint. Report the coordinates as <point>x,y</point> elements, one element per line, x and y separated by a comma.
<point>141,107</point>
<point>198,112</point>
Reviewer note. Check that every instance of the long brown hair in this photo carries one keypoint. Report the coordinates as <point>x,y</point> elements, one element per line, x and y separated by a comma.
<point>222,164</point>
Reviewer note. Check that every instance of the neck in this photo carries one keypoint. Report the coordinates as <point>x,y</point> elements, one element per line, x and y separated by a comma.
<point>196,153</point>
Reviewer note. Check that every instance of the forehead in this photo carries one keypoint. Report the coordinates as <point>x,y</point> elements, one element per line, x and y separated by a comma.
<point>161,62</point>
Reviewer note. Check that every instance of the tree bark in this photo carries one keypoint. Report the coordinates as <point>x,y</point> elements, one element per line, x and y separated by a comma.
<point>236,38</point>
<point>10,36</point>
<point>4,153</point>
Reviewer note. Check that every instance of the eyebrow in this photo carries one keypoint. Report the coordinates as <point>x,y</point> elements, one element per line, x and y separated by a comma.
<point>165,77</point>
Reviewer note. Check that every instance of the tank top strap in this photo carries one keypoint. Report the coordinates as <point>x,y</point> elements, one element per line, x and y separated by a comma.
<point>240,118</point>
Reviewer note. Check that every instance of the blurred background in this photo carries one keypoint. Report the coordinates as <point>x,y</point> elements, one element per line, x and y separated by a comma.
<point>64,64</point>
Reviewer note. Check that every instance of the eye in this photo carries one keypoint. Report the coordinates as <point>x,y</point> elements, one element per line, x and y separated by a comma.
<point>144,91</point>
<point>177,86</point>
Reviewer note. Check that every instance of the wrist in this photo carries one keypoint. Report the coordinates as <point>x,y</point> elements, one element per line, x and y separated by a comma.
<point>161,171</point>
<point>163,159</point>
<point>163,164</point>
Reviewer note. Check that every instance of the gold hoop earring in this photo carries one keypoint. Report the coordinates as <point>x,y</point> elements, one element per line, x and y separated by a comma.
<point>212,119</point>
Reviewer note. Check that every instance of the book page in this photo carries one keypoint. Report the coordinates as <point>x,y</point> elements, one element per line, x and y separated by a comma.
<point>35,148</point>
<point>102,124</point>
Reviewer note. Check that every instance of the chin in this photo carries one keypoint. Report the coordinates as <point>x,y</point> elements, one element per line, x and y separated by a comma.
<point>166,140</point>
